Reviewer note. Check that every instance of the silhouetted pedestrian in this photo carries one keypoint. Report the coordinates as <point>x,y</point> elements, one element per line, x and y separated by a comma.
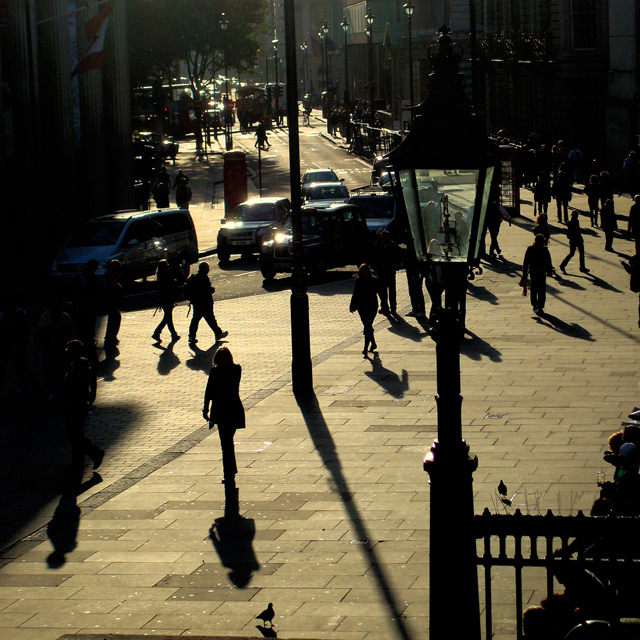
<point>495,215</point>
<point>633,269</point>
<point>86,313</point>
<point>223,407</point>
<point>542,193</point>
<point>592,191</point>
<point>167,288</point>
<point>78,394</point>
<point>365,301</point>
<point>199,292</point>
<point>180,176</point>
<point>542,226</point>
<point>385,264</point>
<point>161,195</point>
<point>634,222</point>
<point>53,331</point>
<point>537,262</point>
<point>14,342</point>
<point>562,192</point>
<point>183,194</point>
<point>414,281</point>
<point>112,300</point>
<point>574,234</point>
<point>631,168</point>
<point>608,223</point>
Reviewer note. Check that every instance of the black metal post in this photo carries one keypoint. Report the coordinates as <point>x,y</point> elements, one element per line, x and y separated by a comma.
<point>346,66</point>
<point>452,566</point>
<point>260,168</point>
<point>473,43</point>
<point>227,111</point>
<point>301,370</point>
<point>277,87</point>
<point>370,50</point>
<point>410,63</point>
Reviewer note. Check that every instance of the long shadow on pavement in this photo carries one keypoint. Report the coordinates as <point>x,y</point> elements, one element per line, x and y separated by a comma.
<point>389,380</point>
<point>35,454</point>
<point>324,444</point>
<point>232,537</point>
<point>572,329</point>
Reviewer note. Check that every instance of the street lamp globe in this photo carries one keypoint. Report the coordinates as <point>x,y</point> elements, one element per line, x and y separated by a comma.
<point>409,7</point>
<point>444,167</point>
<point>345,24</point>
<point>369,17</point>
<point>325,28</point>
<point>224,23</point>
<point>275,44</point>
<point>367,31</point>
<point>303,47</point>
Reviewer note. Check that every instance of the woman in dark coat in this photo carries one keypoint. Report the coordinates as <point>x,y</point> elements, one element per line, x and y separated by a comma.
<point>222,406</point>
<point>167,297</point>
<point>365,301</point>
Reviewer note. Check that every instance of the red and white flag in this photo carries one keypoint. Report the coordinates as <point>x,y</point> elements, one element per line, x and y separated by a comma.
<point>95,30</point>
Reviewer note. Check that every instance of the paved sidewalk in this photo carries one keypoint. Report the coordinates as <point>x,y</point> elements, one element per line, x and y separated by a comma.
<point>332,523</point>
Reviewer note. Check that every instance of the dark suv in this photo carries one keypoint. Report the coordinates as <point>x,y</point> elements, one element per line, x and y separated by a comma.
<point>333,237</point>
<point>379,209</point>
<point>251,222</point>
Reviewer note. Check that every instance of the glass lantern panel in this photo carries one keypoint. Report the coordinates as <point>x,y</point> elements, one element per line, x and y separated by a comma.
<point>482,212</point>
<point>440,206</point>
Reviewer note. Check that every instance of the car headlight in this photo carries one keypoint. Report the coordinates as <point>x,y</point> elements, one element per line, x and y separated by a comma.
<point>281,237</point>
<point>233,224</point>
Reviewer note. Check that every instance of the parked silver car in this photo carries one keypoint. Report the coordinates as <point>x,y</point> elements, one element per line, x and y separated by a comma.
<point>138,239</point>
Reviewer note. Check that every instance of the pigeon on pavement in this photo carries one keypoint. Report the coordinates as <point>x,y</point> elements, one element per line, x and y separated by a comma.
<point>267,615</point>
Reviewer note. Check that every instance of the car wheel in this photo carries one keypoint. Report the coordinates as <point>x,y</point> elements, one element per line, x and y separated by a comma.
<point>223,254</point>
<point>267,271</point>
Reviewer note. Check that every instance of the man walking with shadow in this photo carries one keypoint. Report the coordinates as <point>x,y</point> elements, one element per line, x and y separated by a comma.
<point>199,292</point>
<point>574,234</point>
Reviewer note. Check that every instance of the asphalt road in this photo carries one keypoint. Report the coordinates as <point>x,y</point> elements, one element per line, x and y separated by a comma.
<point>241,276</point>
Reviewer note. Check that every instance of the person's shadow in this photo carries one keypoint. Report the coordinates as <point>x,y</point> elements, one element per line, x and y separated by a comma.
<point>62,530</point>
<point>109,365</point>
<point>168,360</point>
<point>232,538</point>
<point>202,360</point>
<point>389,380</point>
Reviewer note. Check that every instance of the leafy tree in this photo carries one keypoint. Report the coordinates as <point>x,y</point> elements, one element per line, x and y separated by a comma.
<point>163,32</point>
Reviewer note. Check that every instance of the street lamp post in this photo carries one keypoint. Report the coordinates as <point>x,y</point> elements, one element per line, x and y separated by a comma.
<point>323,34</point>
<point>277,87</point>
<point>369,18</point>
<point>301,370</point>
<point>305,66</point>
<point>224,23</point>
<point>443,172</point>
<point>409,7</point>
<point>345,28</point>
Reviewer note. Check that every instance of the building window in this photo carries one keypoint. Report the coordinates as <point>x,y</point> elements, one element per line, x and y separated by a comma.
<point>584,24</point>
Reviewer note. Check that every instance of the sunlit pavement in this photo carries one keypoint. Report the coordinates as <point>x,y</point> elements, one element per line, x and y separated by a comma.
<point>331,523</point>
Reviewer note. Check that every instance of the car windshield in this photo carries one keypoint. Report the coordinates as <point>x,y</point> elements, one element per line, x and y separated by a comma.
<point>319,176</point>
<point>255,212</point>
<point>97,234</point>
<point>376,207</point>
<point>312,224</point>
<point>328,192</point>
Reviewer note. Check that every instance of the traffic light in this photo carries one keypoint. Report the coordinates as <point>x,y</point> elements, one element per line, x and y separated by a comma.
<point>278,91</point>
